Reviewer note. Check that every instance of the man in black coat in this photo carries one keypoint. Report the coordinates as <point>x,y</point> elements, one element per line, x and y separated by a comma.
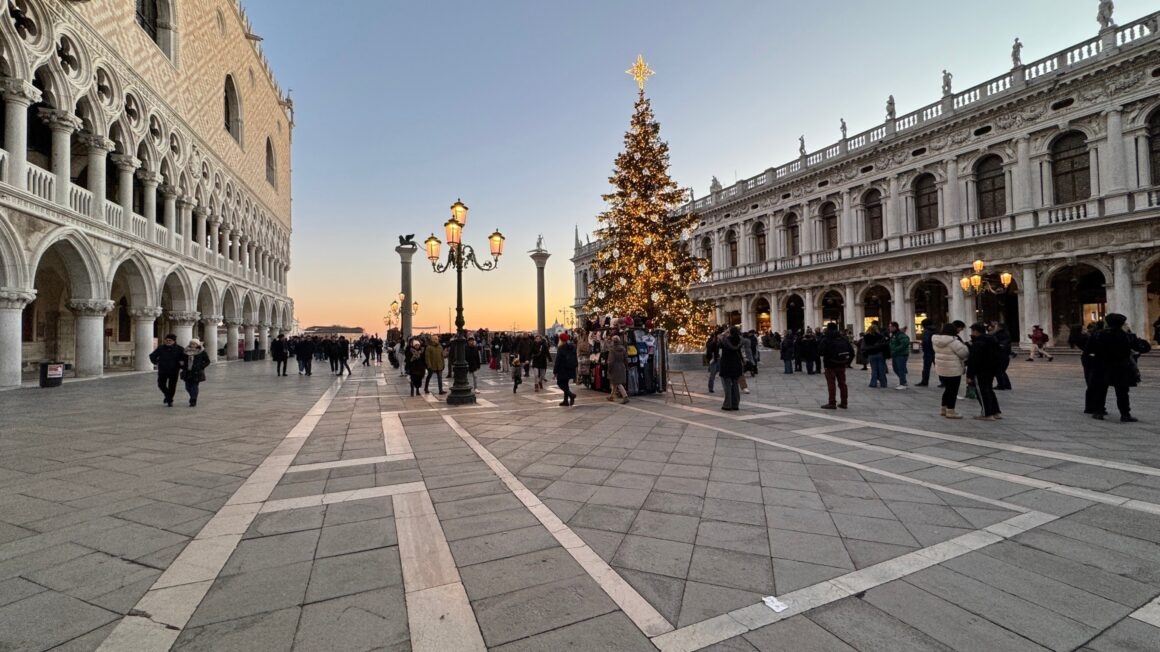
<point>168,359</point>
<point>1114,349</point>
<point>280,352</point>
<point>564,368</point>
<point>929,330</point>
<point>304,352</point>
<point>999,332</point>
<point>982,364</point>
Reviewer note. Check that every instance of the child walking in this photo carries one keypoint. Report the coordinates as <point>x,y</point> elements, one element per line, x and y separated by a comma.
<point>517,371</point>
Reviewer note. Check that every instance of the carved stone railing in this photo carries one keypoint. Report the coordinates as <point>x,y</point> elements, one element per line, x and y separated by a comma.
<point>115,216</point>
<point>80,199</point>
<point>992,226</point>
<point>923,238</point>
<point>3,164</point>
<point>160,235</point>
<point>869,248</point>
<point>1067,213</point>
<point>41,182</point>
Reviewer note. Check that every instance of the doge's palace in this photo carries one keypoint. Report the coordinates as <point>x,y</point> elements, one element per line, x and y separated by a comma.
<point>1048,174</point>
<point>144,183</point>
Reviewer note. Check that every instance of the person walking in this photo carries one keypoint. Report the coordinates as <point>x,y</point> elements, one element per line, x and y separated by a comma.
<point>950,355</point>
<point>525,347</point>
<point>1116,350</point>
<point>342,353</point>
<point>713,356</point>
<point>564,368</point>
<point>788,344</point>
<point>929,330</point>
<point>541,356</point>
<point>807,350</point>
<point>1093,371</point>
<point>516,368</point>
<point>167,357</point>
<point>999,332</point>
<point>280,352</point>
<point>473,353</point>
<point>982,363</point>
<point>876,348</point>
<point>434,360</point>
<point>416,365</point>
<point>1039,339</point>
<point>837,355</point>
<point>732,367</point>
<point>193,364</point>
<point>618,370</point>
<point>304,353</point>
<point>899,346</point>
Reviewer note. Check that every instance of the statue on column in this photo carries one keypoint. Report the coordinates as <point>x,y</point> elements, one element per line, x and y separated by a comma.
<point>1017,54</point>
<point>946,82</point>
<point>890,108</point>
<point>715,185</point>
<point>802,145</point>
<point>1105,14</point>
<point>843,121</point>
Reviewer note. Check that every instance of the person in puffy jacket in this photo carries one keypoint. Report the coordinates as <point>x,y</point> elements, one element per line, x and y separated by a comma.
<point>950,355</point>
<point>875,347</point>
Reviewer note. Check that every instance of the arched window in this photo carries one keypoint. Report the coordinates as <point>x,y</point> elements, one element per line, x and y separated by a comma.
<point>1154,146</point>
<point>793,235</point>
<point>156,18</point>
<point>232,109</point>
<point>271,164</point>
<point>991,185</point>
<point>147,17</point>
<point>707,251</point>
<point>1070,169</point>
<point>830,225</point>
<point>759,242</point>
<point>873,206</point>
<point>731,243</point>
<point>925,203</point>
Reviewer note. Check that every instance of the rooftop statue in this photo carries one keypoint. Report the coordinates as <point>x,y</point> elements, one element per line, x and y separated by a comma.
<point>1017,54</point>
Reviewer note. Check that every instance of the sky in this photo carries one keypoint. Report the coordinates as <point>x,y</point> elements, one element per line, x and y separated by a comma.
<point>518,107</point>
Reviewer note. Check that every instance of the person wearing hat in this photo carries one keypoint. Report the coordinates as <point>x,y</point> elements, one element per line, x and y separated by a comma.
<point>1115,349</point>
<point>564,368</point>
<point>193,364</point>
<point>167,357</point>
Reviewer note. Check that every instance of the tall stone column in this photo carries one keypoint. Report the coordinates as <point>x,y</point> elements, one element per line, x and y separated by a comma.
<point>847,232</point>
<point>1029,298</point>
<point>149,182</point>
<point>99,148</point>
<point>540,256</point>
<point>776,318</point>
<point>1122,286</point>
<point>264,337</point>
<point>1021,193</point>
<point>900,305</point>
<point>250,330</point>
<point>232,339</point>
<point>812,315</point>
<point>199,218</point>
<point>1115,165</point>
<point>951,207</point>
<point>405,253</point>
<point>144,319</point>
<point>12,303</point>
<point>126,166</point>
<point>893,210</point>
<point>183,322</point>
<point>90,334</point>
<point>209,323</point>
<point>185,240</point>
<point>62,124</point>
<point>215,242</point>
<point>850,307</point>
<point>169,213</point>
<point>18,96</point>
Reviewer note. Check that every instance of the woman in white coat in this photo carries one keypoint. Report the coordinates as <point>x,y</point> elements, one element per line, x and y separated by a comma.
<point>950,354</point>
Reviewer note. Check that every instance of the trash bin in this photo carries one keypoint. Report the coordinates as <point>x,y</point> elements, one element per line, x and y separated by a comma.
<point>51,374</point>
<point>248,356</point>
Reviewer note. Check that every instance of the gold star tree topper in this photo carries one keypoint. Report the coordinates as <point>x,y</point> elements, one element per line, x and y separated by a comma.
<point>640,71</point>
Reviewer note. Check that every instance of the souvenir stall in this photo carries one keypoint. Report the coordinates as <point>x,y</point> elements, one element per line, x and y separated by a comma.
<point>646,359</point>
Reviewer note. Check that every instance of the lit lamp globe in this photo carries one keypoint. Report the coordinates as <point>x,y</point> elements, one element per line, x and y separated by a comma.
<point>496,241</point>
<point>432,245</point>
<point>459,213</point>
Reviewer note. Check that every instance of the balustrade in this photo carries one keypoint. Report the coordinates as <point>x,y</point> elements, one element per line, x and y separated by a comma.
<point>115,216</point>
<point>869,248</point>
<point>1084,52</point>
<point>41,182</point>
<point>1134,31</point>
<point>827,256</point>
<point>80,199</point>
<point>922,239</point>
<point>140,226</point>
<point>993,226</point>
<point>1068,213</point>
<point>3,164</point>
<point>160,234</point>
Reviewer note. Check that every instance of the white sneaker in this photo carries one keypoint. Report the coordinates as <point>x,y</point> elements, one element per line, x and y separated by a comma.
<point>900,387</point>
<point>745,391</point>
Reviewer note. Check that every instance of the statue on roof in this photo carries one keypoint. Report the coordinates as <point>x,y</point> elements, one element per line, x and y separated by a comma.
<point>802,145</point>
<point>1105,14</point>
<point>843,121</point>
<point>1017,54</point>
<point>946,84</point>
<point>890,108</point>
<point>715,185</point>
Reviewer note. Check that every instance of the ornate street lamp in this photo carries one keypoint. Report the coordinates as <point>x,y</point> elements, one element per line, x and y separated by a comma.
<point>460,256</point>
<point>977,285</point>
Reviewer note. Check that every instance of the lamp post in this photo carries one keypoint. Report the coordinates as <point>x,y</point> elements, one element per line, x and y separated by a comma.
<point>976,285</point>
<point>460,256</point>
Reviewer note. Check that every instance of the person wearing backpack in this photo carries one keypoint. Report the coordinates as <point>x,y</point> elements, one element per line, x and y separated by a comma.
<point>837,354</point>
<point>982,363</point>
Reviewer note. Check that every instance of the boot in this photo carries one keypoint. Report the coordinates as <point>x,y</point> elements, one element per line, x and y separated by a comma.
<point>942,411</point>
<point>952,415</point>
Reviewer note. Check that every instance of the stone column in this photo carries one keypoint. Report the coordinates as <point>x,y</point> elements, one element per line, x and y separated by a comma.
<point>264,336</point>
<point>893,226</point>
<point>962,307</point>
<point>62,124</point>
<point>232,339</point>
<point>847,231</point>
<point>952,208</point>
<point>776,320</point>
<point>405,253</point>
<point>184,241</point>
<point>210,326</point>
<point>1116,166</point>
<point>200,215</point>
<point>182,322</point>
<point>126,166</point>
<point>18,96</point>
<point>169,213</point>
<point>215,242</point>
<point>99,148</point>
<point>144,319</point>
<point>850,307</point>
<point>90,334</point>
<point>540,257</point>
<point>1021,193</point>
<point>12,303</point>
<point>900,306</point>
<point>1122,287</point>
<point>249,331</point>
<point>807,226</point>
<point>1029,299</point>
<point>149,182</point>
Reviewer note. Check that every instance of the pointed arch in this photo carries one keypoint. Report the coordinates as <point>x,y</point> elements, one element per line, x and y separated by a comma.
<point>81,261</point>
<point>139,278</point>
<point>176,280</point>
<point>13,266</point>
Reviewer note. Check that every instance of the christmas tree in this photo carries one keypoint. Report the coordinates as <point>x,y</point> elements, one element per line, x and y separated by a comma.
<point>644,265</point>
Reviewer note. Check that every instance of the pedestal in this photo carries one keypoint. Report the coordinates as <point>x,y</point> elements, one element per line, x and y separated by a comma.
<point>405,253</point>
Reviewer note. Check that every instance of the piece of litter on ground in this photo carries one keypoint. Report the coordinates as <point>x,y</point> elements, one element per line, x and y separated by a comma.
<point>775,604</point>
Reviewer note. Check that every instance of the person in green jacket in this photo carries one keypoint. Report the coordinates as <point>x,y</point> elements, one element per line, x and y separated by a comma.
<point>899,352</point>
<point>434,358</point>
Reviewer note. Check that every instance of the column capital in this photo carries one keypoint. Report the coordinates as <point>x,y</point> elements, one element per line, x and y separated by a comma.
<point>97,142</point>
<point>18,91</point>
<point>149,177</point>
<point>145,313</point>
<point>211,320</point>
<point>58,120</point>
<point>185,318</point>
<point>14,298</point>
<point>200,211</point>
<point>90,307</point>
<point>168,190</point>
<point>125,162</point>
<point>186,202</point>
<point>232,322</point>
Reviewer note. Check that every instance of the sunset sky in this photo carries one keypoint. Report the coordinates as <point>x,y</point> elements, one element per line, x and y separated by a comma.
<point>519,108</point>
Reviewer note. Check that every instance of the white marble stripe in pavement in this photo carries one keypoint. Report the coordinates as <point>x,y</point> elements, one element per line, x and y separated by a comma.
<point>338,464</point>
<point>341,497</point>
<point>1014,448</point>
<point>760,415</point>
<point>1149,613</point>
<point>394,436</point>
<point>746,619</point>
<point>638,610</point>
<point>161,614</point>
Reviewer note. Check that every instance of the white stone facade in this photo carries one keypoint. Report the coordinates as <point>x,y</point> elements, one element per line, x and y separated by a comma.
<point>1049,172</point>
<point>144,183</point>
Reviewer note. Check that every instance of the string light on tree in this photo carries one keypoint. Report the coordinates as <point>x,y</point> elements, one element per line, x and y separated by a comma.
<point>645,267</point>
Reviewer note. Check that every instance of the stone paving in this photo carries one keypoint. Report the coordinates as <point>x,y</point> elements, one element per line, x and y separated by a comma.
<point>318,513</point>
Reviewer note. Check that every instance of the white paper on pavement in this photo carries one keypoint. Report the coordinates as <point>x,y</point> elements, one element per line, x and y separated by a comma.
<point>775,604</point>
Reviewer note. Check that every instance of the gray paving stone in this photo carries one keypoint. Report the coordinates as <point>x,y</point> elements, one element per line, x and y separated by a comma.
<point>735,644</point>
<point>373,620</point>
<point>611,632</point>
<point>865,627</point>
<point>92,575</point>
<point>534,610</point>
<point>673,527</point>
<point>873,529</point>
<point>291,520</point>
<point>800,520</point>
<point>792,498</point>
<point>1124,590</point>
<point>739,492</point>
<point>353,537</point>
<point>868,553</point>
<point>1128,635</point>
<point>162,515</point>
<point>481,505</point>
<point>564,509</point>
<point>475,490</point>
<point>851,488</point>
<point>630,481</point>
<point>791,575</point>
<point>689,486</point>
<point>489,547</point>
<point>1126,522</point>
<point>489,523</point>
<point>518,572</point>
<point>785,481</point>
<point>604,517</point>
<point>810,548</point>
<point>46,619</point>
<point>265,631</point>
<point>17,589</point>
<point>267,552</point>
<point>663,593</point>
<point>651,555</point>
<point>703,601</point>
<point>604,543</point>
<point>737,570</point>
<point>856,506</point>
<point>733,536</point>
<point>797,633</point>
<point>733,511</point>
<point>368,570</point>
<point>619,497</point>
<point>131,540</point>
<point>568,491</point>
